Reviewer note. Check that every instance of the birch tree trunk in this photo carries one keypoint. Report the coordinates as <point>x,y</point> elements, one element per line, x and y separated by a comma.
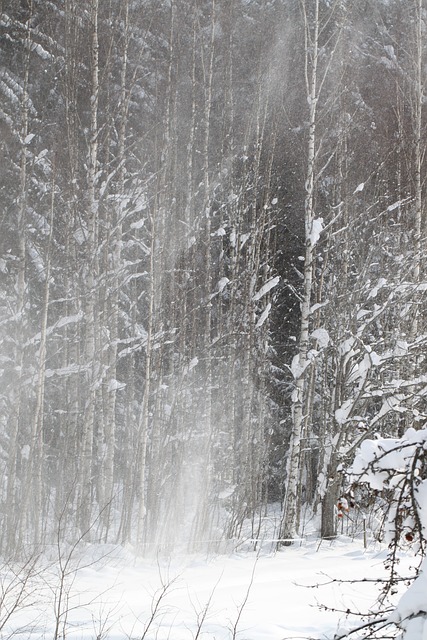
<point>418,154</point>
<point>37,450</point>
<point>143,426</point>
<point>114,262</point>
<point>201,521</point>
<point>301,363</point>
<point>91,310</point>
<point>16,504</point>
<point>69,452</point>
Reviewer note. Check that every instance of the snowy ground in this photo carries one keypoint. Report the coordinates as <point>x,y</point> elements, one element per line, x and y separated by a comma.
<point>243,595</point>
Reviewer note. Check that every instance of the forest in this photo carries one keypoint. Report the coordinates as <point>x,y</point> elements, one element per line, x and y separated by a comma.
<point>212,261</point>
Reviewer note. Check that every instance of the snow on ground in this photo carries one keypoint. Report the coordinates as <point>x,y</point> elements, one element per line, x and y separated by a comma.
<point>239,596</point>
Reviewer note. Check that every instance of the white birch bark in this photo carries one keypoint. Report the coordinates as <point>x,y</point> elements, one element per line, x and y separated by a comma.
<point>16,506</point>
<point>36,453</point>
<point>418,155</point>
<point>70,421</point>
<point>86,480</point>
<point>202,515</point>
<point>301,368</point>
<point>113,299</point>
<point>143,426</point>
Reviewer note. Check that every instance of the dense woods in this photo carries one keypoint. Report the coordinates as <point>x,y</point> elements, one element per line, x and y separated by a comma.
<point>212,257</point>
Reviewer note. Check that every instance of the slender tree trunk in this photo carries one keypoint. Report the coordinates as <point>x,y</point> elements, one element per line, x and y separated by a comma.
<point>202,515</point>
<point>91,310</point>
<point>418,156</point>
<point>143,426</point>
<point>17,505</point>
<point>36,455</point>
<point>70,421</point>
<point>301,364</point>
<point>115,264</point>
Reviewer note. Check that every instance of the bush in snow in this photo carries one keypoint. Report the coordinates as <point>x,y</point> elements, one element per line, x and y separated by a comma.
<point>396,469</point>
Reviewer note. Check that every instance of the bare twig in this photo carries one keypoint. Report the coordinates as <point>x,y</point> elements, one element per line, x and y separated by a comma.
<point>244,602</point>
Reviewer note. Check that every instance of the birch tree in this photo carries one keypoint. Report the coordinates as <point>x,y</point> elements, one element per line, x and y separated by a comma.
<point>92,271</point>
<point>301,362</point>
<point>418,101</point>
<point>348,400</point>
<point>14,522</point>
